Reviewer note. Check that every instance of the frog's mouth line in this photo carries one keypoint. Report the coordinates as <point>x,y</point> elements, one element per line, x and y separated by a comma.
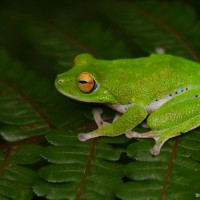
<point>76,98</point>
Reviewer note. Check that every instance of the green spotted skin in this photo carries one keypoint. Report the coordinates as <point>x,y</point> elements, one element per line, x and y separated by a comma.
<point>165,89</point>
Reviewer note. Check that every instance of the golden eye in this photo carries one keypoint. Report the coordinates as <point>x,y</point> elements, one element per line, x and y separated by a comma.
<point>86,82</point>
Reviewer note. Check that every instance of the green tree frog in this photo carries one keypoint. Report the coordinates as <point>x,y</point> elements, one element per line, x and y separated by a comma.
<point>161,88</point>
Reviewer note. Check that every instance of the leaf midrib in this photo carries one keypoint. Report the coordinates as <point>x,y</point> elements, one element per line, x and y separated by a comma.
<point>9,148</point>
<point>169,169</point>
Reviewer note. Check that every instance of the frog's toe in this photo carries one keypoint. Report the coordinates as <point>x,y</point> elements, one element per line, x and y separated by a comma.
<point>97,111</point>
<point>132,134</point>
<point>85,136</point>
<point>144,125</point>
<point>129,134</point>
<point>159,141</point>
<point>155,150</point>
<point>97,117</point>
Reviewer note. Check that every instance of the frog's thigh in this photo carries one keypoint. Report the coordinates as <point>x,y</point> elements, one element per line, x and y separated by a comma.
<point>172,121</point>
<point>169,121</point>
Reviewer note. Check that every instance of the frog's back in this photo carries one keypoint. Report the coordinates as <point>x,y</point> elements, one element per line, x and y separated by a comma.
<point>152,77</point>
<point>178,65</point>
<point>164,65</point>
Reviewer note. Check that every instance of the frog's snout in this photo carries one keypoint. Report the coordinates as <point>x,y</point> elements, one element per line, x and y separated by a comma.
<point>59,82</point>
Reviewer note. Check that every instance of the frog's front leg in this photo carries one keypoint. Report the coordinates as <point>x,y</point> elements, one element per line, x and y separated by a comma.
<point>98,119</point>
<point>131,118</point>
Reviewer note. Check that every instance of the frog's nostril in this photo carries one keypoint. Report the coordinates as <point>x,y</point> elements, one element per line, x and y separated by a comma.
<point>60,81</point>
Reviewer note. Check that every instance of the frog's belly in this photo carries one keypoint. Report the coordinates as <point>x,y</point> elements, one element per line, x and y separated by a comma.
<point>154,105</point>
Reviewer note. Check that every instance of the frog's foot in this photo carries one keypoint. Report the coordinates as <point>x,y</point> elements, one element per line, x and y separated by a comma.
<point>132,134</point>
<point>151,134</point>
<point>160,50</point>
<point>99,121</point>
<point>97,112</point>
<point>144,125</point>
<point>85,136</point>
<point>116,117</point>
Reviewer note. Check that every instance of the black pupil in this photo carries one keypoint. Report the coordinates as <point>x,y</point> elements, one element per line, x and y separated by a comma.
<point>83,82</point>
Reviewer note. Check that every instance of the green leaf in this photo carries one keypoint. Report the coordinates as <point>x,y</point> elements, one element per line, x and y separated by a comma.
<point>55,191</point>
<point>22,123</point>
<point>16,183</point>
<point>40,154</point>
<point>168,170</point>
<point>15,133</point>
<point>80,165</point>
<point>153,24</point>
<point>27,154</point>
<point>141,190</point>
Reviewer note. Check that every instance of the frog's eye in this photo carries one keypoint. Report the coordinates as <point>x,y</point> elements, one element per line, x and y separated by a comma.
<point>86,82</point>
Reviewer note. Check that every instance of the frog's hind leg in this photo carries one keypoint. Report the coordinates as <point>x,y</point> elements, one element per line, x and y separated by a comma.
<point>156,135</point>
<point>173,119</point>
<point>161,136</point>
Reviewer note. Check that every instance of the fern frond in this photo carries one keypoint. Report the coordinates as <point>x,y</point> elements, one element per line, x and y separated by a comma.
<point>174,174</point>
<point>38,154</point>
<point>16,183</point>
<point>17,109</point>
<point>152,24</point>
<point>22,124</point>
<point>81,170</point>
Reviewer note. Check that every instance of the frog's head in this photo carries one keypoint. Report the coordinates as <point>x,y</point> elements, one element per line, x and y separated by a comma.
<point>83,82</point>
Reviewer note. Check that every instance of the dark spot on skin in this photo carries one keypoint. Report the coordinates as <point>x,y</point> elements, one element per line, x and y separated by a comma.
<point>176,92</point>
<point>196,95</point>
<point>182,90</point>
<point>170,95</point>
<point>186,89</point>
<point>156,99</point>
